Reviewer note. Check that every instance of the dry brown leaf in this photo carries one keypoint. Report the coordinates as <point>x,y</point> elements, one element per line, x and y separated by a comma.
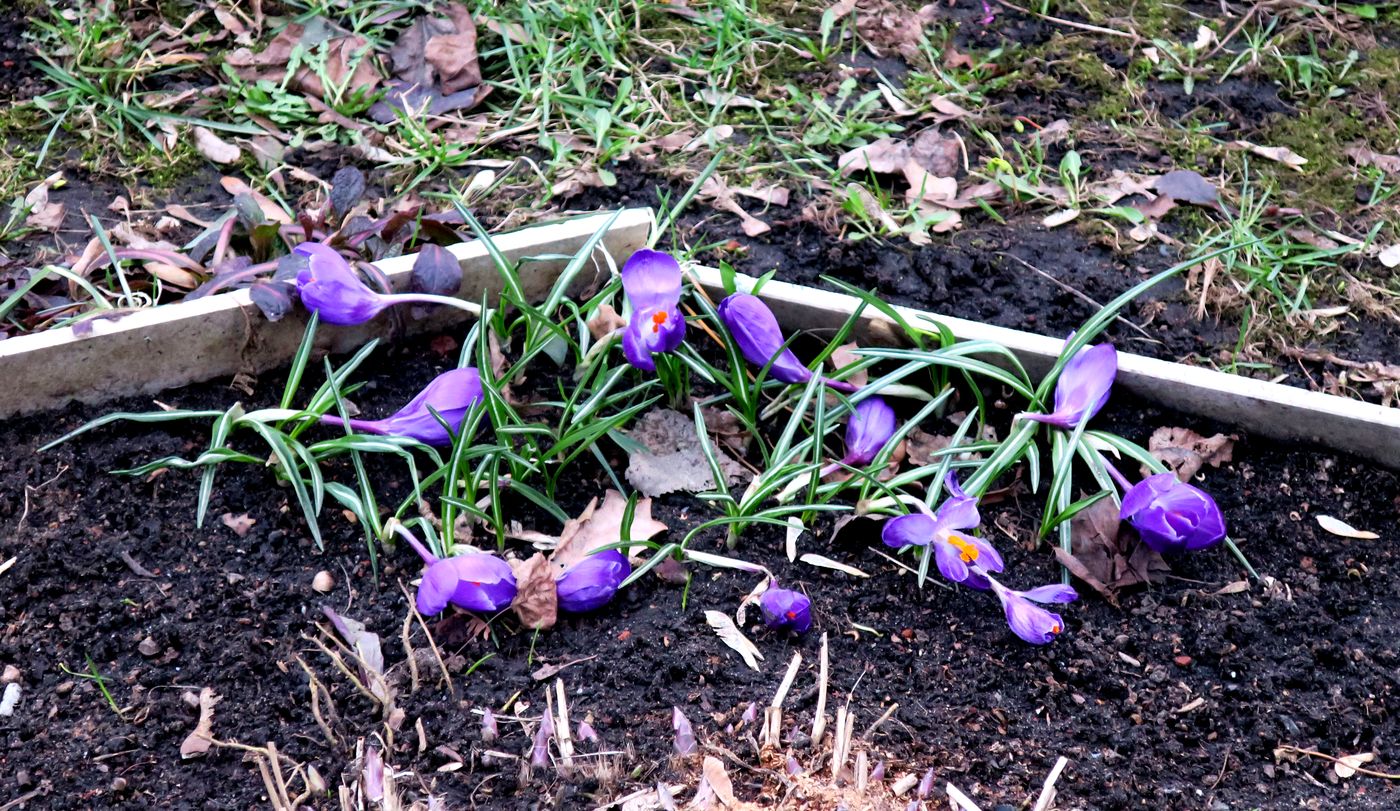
<point>1114,561</point>
<point>938,154</point>
<point>536,600</point>
<point>1365,156</point>
<point>348,62</point>
<point>1186,186</point>
<point>1347,765</point>
<point>199,741</point>
<point>1281,154</point>
<point>271,210</point>
<point>240,524</point>
<point>215,148</point>
<point>921,446</point>
<point>1184,451</point>
<point>945,110</point>
<point>730,634</point>
<point>719,781</point>
<point>44,215</point>
<point>599,526</point>
<point>885,156</point>
<point>672,458</point>
<point>605,321</point>
<point>845,355</point>
<point>453,53</point>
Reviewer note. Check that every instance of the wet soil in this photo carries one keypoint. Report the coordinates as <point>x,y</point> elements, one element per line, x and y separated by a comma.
<point>1176,701</point>
<point>19,79</point>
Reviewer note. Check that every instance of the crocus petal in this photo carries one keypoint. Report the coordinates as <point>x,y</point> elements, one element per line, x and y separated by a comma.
<point>484,582</point>
<point>915,529</point>
<point>1053,593</point>
<point>1085,382</point>
<point>435,589</point>
<point>635,350</point>
<point>959,511</point>
<point>1144,493</point>
<point>760,338</point>
<point>785,609</point>
<point>950,562</point>
<point>871,425</point>
<point>1028,620</point>
<point>652,280</point>
<point>592,582</point>
<point>666,335</point>
<point>1172,516</point>
<point>329,287</point>
<point>982,553</point>
<point>451,395</point>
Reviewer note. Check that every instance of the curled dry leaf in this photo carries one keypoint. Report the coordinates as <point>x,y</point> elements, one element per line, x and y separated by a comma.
<point>599,526</point>
<point>1186,186</point>
<point>199,741</point>
<point>1342,529</point>
<point>1347,765</point>
<point>215,148</point>
<point>605,322</point>
<point>1184,451</point>
<point>1365,156</point>
<point>1282,154</point>
<point>536,600</point>
<point>730,634</point>
<point>824,562</point>
<point>719,781</point>
<point>1114,559</point>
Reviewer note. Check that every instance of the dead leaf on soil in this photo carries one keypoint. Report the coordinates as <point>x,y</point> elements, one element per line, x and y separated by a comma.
<point>236,186</point>
<point>240,524</point>
<point>215,148</point>
<point>885,156</point>
<point>43,215</point>
<point>937,153</point>
<point>1186,186</point>
<point>348,61</point>
<point>1184,451</point>
<point>199,741</point>
<point>1115,560</point>
<point>1347,765</point>
<point>605,322</point>
<point>435,67</point>
<point>536,600</point>
<point>1365,156</point>
<point>730,635</point>
<point>886,26</point>
<point>719,781</point>
<point>722,197</point>
<point>1282,154</point>
<point>599,526</point>
<point>673,459</point>
<point>1342,529</point>
<point>1390,256</point>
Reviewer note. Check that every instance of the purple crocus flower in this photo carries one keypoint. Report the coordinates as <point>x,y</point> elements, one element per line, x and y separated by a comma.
<point>652,282</point>
<point>1082,388</point>
<point>476,581</point>
<point>871,425</point>
<point>451,395</point>
<point>960,557</point>
<point>592,582</point>
<point>1172,516</point>
<point>1028,620</point>
<point>761,340</point>
<point>785,609</point>
<point>329,287</point>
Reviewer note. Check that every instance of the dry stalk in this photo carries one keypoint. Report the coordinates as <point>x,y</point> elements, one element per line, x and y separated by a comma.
<point>819,722</point>
<point>442,665</point>
<point>316,687</point>
<point>1047,793</point>
<point>409,653</point>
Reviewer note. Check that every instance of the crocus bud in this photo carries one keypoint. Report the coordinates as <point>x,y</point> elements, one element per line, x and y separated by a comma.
<point>651,281</point>
<point>451,395</point>
<point>1028,620</point>
<point>586,732</point>
<point>489,730</point>
<point>1082,388</point>
<point>330,288</point>
<point>870,427</point>
<point>539,749</point>
<point>685,735</point>
<point>761,340</point>
<point>475,581</point>
<point>1172,516</point>
<point>593,581</point>
<point>785,609</point>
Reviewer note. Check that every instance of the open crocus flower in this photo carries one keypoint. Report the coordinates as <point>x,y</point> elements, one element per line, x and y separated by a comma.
<point>329,287</point>
<point>476,581</point>
<point>1172,516</point>
<point>1082,388</point>
<point>652,282</point>
<point>451,395</point>
<point>592,582</point>
<point>960,557</point>
<point>1028,620</point>
<point>871,425</point>
<point>761,340</point>
<point>785,609</point>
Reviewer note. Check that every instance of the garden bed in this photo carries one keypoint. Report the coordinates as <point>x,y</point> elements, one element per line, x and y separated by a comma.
<point>1180,699</point>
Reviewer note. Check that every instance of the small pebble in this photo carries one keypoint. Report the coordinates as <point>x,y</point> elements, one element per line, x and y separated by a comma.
<point>11,674</point>
<point>1183,661</point>
<point>118,784</point>
<point>148,647</point>
<point>190,698</point>
<point>323,581</point>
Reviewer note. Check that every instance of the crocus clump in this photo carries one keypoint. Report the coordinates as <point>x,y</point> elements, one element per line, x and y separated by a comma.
<point>592,582</point>
<point>329,287</point>
<point>1028,620</point>
<point>475,581</point>
<point>651,281</point>
<point>871,425</point>
<point>786,610</point>
<point>1082,388</point>
<point>961,557</point>
<point>1171,516</point>
<point>451,395</point>
<point>760,339</point>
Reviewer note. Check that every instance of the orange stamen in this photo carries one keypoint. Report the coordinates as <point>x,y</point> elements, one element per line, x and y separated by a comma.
<point>657,319</point>
<point>792,615</point>
<point>966,551</point>
<point>1054,629</point>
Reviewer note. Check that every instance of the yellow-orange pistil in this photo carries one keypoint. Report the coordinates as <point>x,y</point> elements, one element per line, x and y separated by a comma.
<point>966,551</point>
<point>657,319</point>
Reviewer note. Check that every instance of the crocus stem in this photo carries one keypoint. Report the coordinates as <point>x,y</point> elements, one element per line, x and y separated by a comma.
<point>1113,471</point>
<point>363,426</point>
<point>428,557</point>
<point>429,298</point>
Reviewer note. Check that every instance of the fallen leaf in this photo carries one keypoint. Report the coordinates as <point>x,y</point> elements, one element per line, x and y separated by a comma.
<point>369,654</point>
<point>1364,156</point>
<point>719,781</point>
<point>536,601</point>
<point>921,446</point>
<point>671,458</point>
<point>199,741</point>
<point>1282,154</point>
<point>1112,558</point>
<point>1342,529</point>
<point>215,148</point>
<point>827,563</point>
<point>1184,451</point>
<point>730,635</point>
<point>1060,218</point>
<point>938,154</point>
<point>794,531</point>
<point>44,215</point>
<point>346,63</point>
<point>1390,256</point>
<point>605,322</point>
<point>601,526</point>
<point>1347,765</point>
<point>885,156</point>
<point>270,210</point>
<point>1186,186</point>
<point>240,524</point>
<point>452,52</point>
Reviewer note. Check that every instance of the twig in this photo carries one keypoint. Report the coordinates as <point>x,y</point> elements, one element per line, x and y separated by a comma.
<point>961,800</point>
<point>1047,794</point>
<point>1359,770</point>
<point>870,733</point>
<point>773,715</point>
<point>819,723</point>
<point>1082,296</point>
<point>442,665</point>
<point>1097,29</point>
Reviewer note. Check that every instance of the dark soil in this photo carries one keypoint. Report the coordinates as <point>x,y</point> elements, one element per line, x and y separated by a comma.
<point>19,79</point>
<point>1176,701</point>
